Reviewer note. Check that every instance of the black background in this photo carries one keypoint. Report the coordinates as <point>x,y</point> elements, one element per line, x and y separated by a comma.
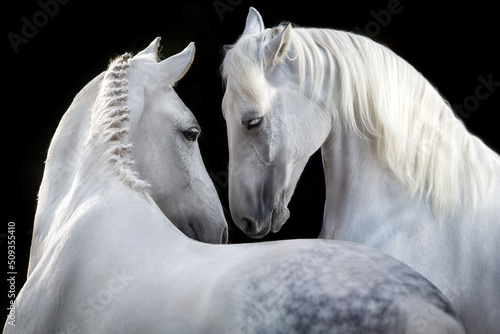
<point>452,44</point>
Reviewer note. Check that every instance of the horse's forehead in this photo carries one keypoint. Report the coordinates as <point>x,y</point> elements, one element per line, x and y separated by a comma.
<point>176,110</point>
<point>236,104</point>
<point>246,95</point>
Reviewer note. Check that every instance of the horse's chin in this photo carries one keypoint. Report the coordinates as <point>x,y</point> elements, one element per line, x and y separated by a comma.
<point>276,227</point>
<point>279,218</point>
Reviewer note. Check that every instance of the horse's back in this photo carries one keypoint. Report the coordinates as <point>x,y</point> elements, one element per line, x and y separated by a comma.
<point>326,287</point>
<point>306,286</point>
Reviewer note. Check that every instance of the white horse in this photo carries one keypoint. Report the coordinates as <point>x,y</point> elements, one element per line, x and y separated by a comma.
<point>165,164</point>
<point>402,173</point>
<point>114,263</point>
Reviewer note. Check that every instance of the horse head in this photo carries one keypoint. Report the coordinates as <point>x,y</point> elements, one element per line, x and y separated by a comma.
<point>164,134</point>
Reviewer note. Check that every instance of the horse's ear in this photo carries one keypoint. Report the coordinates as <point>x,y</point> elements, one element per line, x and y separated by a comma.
<point>152,49</point>
<point>277,47</point>
<point>254,24</point>
<point>176,66</point>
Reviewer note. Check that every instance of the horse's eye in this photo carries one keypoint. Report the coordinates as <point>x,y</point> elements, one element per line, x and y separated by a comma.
<point>191,134</point>
<point>253,123</point>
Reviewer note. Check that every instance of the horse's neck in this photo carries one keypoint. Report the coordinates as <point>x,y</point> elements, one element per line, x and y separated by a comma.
<point>64,157</point>
<point>347,164</point>
<point>116,215</point>
<point>361,191</point>
<point>108,231</point>
<point>128,215</point>
<point>367,203</point>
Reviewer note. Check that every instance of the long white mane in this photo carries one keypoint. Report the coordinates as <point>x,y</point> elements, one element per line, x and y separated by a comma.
<point>108,124</point>
<point>384,100</point>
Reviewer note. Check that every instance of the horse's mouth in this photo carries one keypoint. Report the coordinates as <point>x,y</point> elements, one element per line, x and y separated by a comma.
<point>260,227</point>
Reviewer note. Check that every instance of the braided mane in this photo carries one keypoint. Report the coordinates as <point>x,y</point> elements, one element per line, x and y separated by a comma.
<point>109,120</point>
